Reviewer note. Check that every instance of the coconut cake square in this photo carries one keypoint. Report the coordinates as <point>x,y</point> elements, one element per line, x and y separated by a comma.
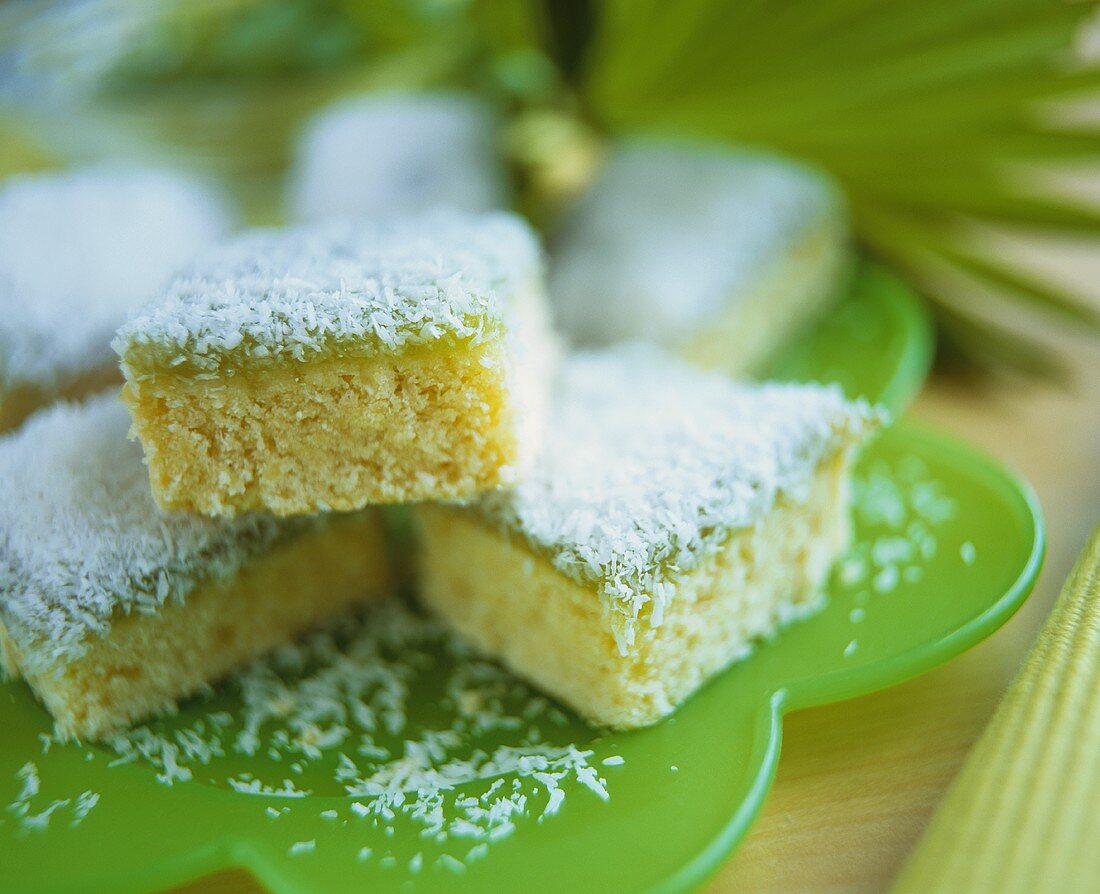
<point>334,366</point>
<point>718,254</point>
<point>674,519</point>
<point>113,610</point>
<point>397,153</point>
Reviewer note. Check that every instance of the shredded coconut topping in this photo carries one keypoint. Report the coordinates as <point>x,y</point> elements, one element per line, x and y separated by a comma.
<point>649,465</point>
<point>79,251</point>
<point>670,234</point>
<point>82,541</point>
<point>30,813</point>
<point>382,155</point>
<point>290,295</point>
<point>389,707</point>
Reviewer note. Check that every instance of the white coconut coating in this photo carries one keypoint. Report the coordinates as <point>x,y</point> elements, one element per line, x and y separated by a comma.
<point>390,154</point>
<point>79,250</point>
<point>344,289</point>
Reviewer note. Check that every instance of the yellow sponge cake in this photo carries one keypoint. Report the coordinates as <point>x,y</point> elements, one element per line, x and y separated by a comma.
<point>674,519</point>
<point>112,610</point>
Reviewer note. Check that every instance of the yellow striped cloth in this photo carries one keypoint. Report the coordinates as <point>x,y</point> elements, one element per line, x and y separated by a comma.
<point>1024,813</point>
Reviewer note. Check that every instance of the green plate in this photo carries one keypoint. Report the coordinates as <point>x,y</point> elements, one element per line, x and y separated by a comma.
<point>876,343</point>
<point>947,545</point>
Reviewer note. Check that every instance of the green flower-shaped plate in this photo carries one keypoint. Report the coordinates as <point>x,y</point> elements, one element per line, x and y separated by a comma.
<point>947,546</point>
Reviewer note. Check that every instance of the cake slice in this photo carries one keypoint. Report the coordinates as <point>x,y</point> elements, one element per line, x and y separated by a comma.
<point>112,610</point>
<point>716,253</point>
<point>79,250</point>
<point>675,518</point>
<point>343,365</point>
<point>383,155</point>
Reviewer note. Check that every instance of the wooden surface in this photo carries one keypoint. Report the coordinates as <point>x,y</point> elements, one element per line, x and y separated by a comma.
<point>858,781</point>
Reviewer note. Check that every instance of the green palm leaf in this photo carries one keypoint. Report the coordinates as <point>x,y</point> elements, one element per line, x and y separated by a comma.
<point>926,112</point>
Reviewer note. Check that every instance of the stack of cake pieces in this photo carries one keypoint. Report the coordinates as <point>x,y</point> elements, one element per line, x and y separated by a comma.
<point>615,527</point>
<point>279,378</point>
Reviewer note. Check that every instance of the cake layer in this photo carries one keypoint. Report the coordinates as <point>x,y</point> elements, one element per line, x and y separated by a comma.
<point>719,254</point>
<point>80,250</point>
<point>392,154</point>
<point>335,367</point>
<point>331,435</point>
<point>512,604</point>
<point>147,663</point>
